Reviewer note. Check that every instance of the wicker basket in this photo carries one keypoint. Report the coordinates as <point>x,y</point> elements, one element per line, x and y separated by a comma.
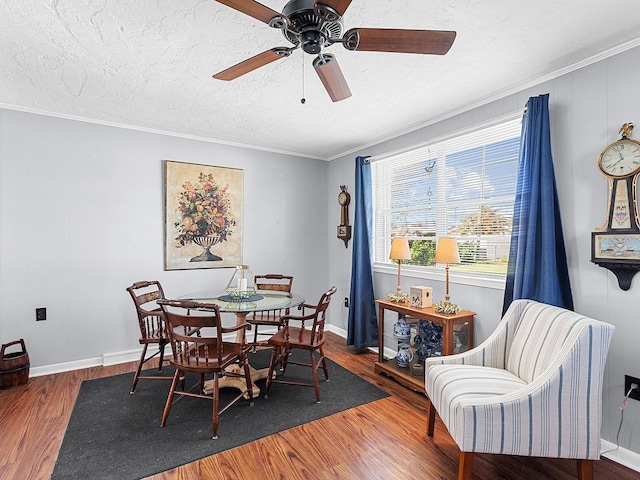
<point>14,366</point>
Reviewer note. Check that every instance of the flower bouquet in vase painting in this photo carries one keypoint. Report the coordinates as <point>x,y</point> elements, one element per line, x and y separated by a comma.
<point>205,216</point>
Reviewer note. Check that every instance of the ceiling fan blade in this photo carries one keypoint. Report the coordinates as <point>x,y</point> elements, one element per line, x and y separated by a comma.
<point>331,76</point>
<point>433,42</point>
<point>253,63</point>
<point>339,6</point>
<point>257,11</point>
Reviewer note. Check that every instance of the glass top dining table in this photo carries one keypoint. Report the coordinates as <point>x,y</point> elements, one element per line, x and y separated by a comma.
<point>260,302</point>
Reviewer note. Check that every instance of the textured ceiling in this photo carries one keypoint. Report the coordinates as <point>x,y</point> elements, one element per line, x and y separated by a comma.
<point>148,64</point>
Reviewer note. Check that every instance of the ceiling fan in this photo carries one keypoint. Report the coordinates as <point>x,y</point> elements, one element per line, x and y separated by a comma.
<point>315,24</point>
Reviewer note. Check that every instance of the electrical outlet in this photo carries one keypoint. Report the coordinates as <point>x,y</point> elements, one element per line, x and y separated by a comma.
<point>41,314</point>
<point>346,302</point>
<point>628,380</point>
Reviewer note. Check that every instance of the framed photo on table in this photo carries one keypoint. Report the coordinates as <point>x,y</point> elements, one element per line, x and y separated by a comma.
<point>203,216</point>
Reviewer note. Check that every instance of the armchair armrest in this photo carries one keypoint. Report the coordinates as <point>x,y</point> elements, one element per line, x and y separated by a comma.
<point>236,327</point>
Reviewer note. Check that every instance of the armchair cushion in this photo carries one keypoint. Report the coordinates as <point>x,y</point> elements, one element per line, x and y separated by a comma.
<point>455,385</point>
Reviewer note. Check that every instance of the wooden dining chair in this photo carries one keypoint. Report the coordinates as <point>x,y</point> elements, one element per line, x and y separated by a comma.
<point>145,295</point>
<point>204,353</point>
<point>270,318</point>
<point>308,336</point>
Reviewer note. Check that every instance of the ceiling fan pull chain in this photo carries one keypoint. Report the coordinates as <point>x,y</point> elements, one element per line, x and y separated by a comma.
<point>303,100</point>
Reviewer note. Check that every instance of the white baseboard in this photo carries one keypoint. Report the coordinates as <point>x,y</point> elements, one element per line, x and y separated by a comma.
<point>103,361</point>
<point>337,330</point>
<point>65,367</point>
<point>620,455</point>
<point>128,356</point>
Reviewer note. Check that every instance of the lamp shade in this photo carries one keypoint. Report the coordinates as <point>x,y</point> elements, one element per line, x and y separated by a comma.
<point>400,249</point>
<point>447,251</point>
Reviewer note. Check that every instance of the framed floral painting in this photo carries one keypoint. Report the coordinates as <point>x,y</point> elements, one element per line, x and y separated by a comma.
<point>203,216</point>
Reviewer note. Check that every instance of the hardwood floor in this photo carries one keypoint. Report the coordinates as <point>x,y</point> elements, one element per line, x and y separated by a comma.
<point>380,440</point>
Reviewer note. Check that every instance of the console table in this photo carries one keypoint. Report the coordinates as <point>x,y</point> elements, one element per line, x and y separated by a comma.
<point>450,323</point>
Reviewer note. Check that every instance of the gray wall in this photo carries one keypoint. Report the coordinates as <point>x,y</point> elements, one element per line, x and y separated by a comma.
<point>587,108</point>
<point>81,218</point>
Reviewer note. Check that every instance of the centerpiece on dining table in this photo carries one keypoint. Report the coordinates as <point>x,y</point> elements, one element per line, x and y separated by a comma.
<point>241,287</point>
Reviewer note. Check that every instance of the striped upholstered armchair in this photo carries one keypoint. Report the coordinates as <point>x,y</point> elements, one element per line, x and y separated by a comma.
<point>533,388</point>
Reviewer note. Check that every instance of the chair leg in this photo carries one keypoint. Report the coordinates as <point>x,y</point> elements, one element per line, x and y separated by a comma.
<point>284,355</point>
<point>465,466</point>
<point>167,406</point>
<point>137,374</point>
<point>255,339</point>
<point>585,469</point>
<point>247,376</point>
<point>431,418</point>
<point>216,405</point>
<point>324,365</point>
<point>272,366</point>
<point>161,346</point>
<point>314,369</point>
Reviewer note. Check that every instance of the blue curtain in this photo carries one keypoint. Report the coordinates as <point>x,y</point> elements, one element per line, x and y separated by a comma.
<point>363,323</point>
<point>537,258</point>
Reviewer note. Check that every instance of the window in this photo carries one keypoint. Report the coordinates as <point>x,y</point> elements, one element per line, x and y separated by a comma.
<point>461,186</point>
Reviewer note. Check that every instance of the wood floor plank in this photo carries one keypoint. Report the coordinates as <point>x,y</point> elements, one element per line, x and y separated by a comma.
<point>381,440</point>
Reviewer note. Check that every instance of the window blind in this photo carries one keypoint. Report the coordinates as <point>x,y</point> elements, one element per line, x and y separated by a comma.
<point>461,186</point>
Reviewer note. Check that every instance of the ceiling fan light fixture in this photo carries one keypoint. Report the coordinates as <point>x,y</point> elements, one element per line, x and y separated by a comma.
<point>312,41</point>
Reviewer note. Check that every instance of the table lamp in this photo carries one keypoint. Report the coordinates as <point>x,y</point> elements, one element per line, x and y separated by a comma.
<point>399,251</point>
<point>447,252</point>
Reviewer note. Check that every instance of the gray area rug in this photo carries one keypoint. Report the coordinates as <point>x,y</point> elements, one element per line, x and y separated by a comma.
<point>115,435</point>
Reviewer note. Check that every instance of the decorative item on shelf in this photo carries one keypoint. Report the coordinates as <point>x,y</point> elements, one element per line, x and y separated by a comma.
<point>430,343</point>
<point>421,297</point>
<point>461,339</point>
<point>423,350</point>
<point>404,356</point>
<point>399,251</point>
<point>241,286</point>
<point>402,329</point>
<point>398,297</point>
<point>447,307</point>
<point>447,253</point>
<point>417,368</point>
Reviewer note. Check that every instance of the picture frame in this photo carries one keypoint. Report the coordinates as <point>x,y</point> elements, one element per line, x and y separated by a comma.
<point>203,210</point>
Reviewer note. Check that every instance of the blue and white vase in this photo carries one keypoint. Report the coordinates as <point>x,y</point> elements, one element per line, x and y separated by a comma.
<point>404,356</point>
<point>423,350</point>
<point>401,329</point>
